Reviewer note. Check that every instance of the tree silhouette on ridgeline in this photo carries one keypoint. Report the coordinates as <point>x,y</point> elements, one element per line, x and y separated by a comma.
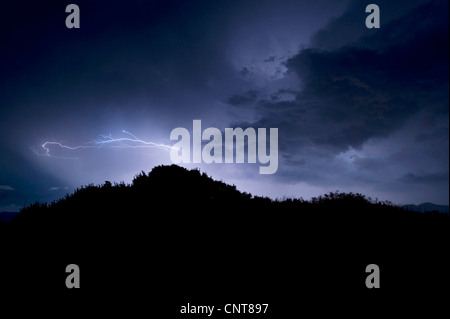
<point>188,225</point>
<point>173,191</point>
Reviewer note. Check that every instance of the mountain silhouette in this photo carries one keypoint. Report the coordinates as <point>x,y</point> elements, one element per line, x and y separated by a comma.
<point>176,199</point>
<point>180,233</point>
<point>173,192</point>
<point>427,207</point>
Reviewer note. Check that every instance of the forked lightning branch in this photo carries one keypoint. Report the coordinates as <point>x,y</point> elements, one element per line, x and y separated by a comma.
<point>251,144</point>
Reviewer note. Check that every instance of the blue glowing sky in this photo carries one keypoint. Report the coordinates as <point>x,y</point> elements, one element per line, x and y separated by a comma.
<point>357,109</point>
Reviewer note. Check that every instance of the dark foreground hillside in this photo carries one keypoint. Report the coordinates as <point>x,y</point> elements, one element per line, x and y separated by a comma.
<point>176,236</point>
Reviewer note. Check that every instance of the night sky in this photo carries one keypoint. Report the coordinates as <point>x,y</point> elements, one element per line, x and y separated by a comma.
<point>357,109</point>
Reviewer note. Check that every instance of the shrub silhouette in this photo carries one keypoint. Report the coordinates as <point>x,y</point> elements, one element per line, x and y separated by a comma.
<point>185,225</point>
<point>172,192</point>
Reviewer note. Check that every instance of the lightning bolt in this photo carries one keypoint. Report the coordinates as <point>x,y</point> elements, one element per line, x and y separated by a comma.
<point>106,141</point>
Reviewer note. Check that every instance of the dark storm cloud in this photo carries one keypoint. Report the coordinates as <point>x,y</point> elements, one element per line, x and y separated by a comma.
<point>156,65</point>
<point>137,49</point>
<point>412,178</point>
<point>246,98</point>
<point>128,59</point>
<point>355,93</point>
<point>284,94</point>
<point>346,28</point>
<point>370,164</point>
<point>145,66</point>
<point>122,49</point>
<point>439,134</point>
<point>262,98</point>
<point>359,85</point>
